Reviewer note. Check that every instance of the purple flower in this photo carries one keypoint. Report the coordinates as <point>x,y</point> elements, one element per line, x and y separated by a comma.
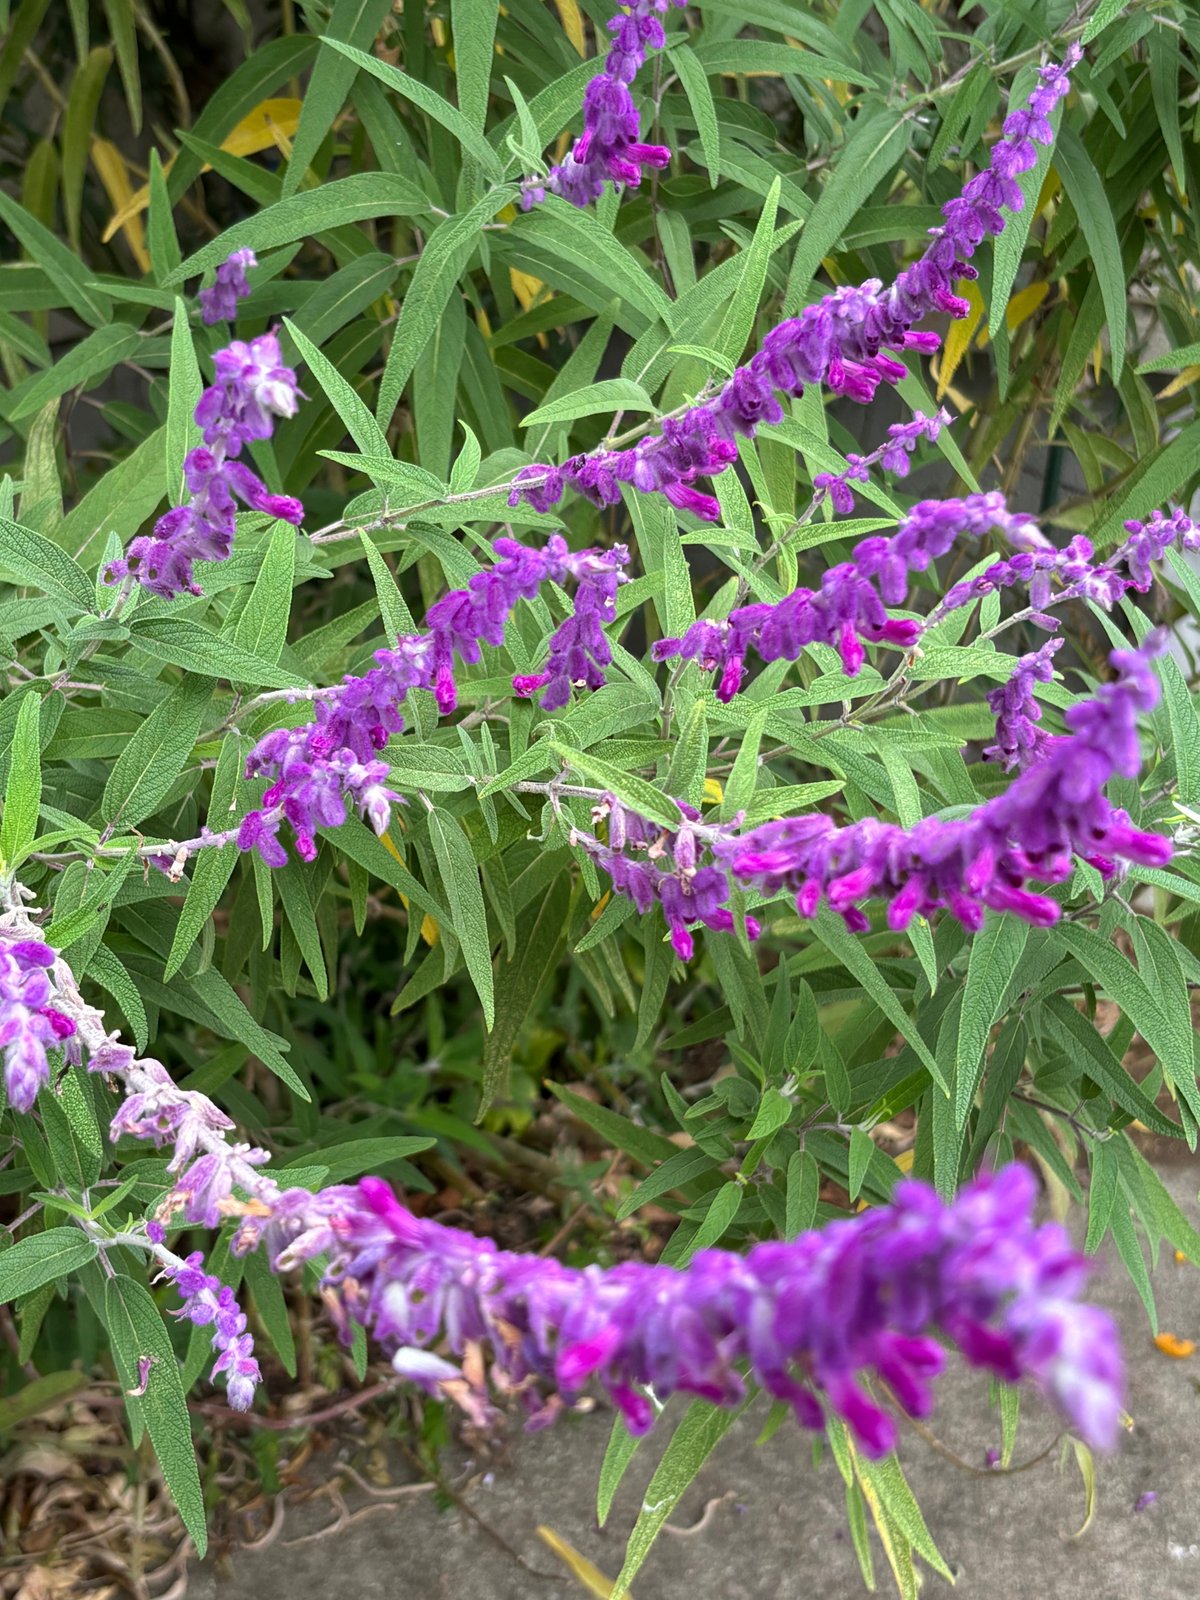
<point>209,1303</point>
<point>807,1320</point>
<point>29,1023</point>
<point>608,150</point>
<point>219,304</point>
<point>1020,743</point>
<point>252,388</point>
<point>893,456</point>
<point>841,341</point>
<point>1039,567</point>
<point>318,770</point>
<point>1051,813</point>
<point>652,865</point>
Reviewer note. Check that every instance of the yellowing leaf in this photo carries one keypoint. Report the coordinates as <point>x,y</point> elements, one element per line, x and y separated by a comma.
<point>266,127</point>
<point>259,129</point>
<point>526,287</point>
<point>1186,377</point>
<point>1177,1349</point>
<point>905,1159</point>
<point>1050,188</point>
<point>713,792</point>
<point>959,338</point>
<point>572,23</point>
<point>1098,360</point>
<point>592,1579</point>
<point>1019,308</point>
<point>430,931</point>
<point>114,175</point>
<point>598,908</point>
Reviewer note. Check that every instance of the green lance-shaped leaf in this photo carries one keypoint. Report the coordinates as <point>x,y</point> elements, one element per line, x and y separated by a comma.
<point>182,432</point>
<point>1086,191</point>
<point>36,562</point>
<point>23,792</point>
<point>353,22</point>
<point>464,895</point>
<point>42,1258</point>
<point>871,154</point>
<point>428,100</point>
<point>155,756</point>
<point>136,1330</point>
<point>694,1440</point>
<point>354,199</point>
<point>996,952</point>
<point>541,941</point>
<point>262,627</point>
<point>64,269</point>
<point>446,253</point>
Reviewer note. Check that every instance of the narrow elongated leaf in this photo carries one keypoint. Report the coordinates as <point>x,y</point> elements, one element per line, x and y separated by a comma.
<point>354,412</point>
<point>23,792</point>
<point>447,252</point>
<point>33,560</point>
<point>428,100</point>
<point>262,627</point>
<point>473,25</point>
<point>137,1332</point>
<point>64,269</point>
<point>996,953</point>
<point>870,155</point>
<point>464,893</point>
<point>186,644</point>
<point>1085,187</point>
<point>541,941</point>
<point>353,199</point>
<point>833,933</point>
<point>182,431</point>
<point>41,1258</point>
<point>694,1440</point>
<point>155,756</point>
<point>353,22</point>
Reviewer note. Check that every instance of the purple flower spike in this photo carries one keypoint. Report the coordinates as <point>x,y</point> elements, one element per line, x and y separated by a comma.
<point>252,389</point>
<point>29,1024</point>
<point>209,1303</point>
<point>842,341</point>
<point>219,304</point>
<point>317,771</point>
<point>808,1320</point>
<point>653,865</point>
<point>1020,743</point>
<point>1055,811</point>
<point>608,150</point>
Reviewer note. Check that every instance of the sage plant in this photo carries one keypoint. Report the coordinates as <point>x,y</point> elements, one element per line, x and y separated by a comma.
<point>603,704</point>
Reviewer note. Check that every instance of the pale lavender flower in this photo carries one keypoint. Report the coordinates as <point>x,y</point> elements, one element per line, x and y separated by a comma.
<point>219,303</point>
<point>29,1023</point>
<point>209,1303</point>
